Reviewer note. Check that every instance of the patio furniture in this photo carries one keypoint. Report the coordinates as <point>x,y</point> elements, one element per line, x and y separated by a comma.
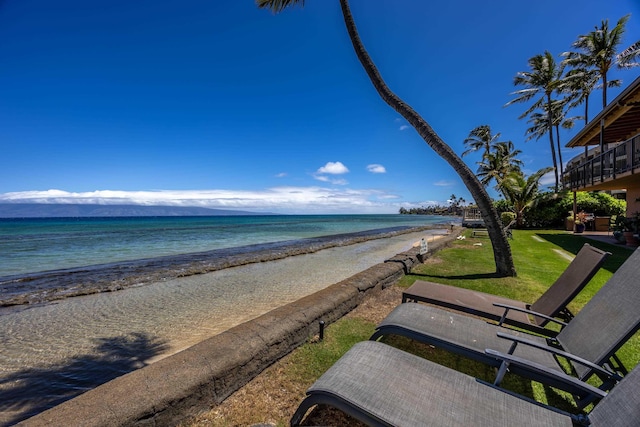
<point>588,342</point>
<point>383,386</point>
<point>553,303</point>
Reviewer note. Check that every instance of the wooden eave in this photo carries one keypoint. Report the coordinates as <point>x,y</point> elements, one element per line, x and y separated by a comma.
<point>621,120</point>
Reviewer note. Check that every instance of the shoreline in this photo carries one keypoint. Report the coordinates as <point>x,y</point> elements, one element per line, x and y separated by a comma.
<point>93,339</point>
<point>174,388</point>
<point>28,290</point>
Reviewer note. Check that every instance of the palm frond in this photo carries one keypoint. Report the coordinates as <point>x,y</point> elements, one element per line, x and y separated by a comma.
<point>277,6</point>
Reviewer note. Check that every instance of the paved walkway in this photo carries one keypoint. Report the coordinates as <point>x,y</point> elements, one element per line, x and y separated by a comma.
<point>604,236</point>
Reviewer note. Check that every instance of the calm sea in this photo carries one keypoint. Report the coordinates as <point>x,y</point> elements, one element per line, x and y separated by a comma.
<point>36,245</point>
<point>54,348</point>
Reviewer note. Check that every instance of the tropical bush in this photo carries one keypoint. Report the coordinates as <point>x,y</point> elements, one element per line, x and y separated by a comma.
<point>551,209</point>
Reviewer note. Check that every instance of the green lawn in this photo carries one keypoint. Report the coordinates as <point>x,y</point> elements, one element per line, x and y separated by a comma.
<point>469,263</point>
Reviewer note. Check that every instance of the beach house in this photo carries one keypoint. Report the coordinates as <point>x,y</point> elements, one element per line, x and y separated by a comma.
<point>611,157</point>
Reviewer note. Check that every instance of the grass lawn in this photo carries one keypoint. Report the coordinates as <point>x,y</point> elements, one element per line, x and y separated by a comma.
<point>539,256</point>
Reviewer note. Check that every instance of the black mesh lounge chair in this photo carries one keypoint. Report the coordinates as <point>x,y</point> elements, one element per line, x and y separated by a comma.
<point>384,386</point>
<point>589,341</point>
<point>553,303</point>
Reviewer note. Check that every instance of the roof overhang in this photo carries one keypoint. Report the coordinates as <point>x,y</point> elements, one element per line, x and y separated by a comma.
<point>621,120</point>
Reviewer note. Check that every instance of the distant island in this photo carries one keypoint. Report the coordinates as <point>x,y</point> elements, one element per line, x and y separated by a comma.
<point>64,210</point>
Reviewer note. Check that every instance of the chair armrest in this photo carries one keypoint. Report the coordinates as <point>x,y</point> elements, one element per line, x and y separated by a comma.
<point>551,373</point>
<point>508,307</point>
<point>596,368</point>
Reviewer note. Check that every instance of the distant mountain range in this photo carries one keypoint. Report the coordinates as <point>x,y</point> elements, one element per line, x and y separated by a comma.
<point>51,210</point>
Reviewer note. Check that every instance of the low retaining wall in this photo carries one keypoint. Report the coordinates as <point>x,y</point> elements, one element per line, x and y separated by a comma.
<point>189,382</point>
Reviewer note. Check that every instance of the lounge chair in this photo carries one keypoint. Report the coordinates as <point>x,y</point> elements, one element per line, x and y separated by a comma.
<point>384,386</point>
<point>553,303</point>
<point>589,341</point>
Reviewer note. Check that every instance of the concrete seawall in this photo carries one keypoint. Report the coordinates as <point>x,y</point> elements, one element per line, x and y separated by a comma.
<point>184,384</point>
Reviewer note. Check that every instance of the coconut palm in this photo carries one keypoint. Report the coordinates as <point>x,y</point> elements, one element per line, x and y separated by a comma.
<point>540,124</point>
<point>599,50</point>
<point>580,82</point>
<point>630,56</point>
<point>501,250</point>
<point>480,138</point>
<point>522,192</point>
<point>499,164</point>
<point>543,79</point>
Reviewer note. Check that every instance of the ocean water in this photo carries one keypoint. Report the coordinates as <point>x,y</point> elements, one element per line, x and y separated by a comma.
<point>56,348</point>
<point>36,245</point>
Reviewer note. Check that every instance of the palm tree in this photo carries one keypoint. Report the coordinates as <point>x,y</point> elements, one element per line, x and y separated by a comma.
<point>628,58</point>
<point>499,164</point>
<point>540,124</point>
<point>598,50</point>
<point>501,250</point>
<point>580,82</point>
<point>480,138</point>
<point>544,78</point>
<point>522,192</point>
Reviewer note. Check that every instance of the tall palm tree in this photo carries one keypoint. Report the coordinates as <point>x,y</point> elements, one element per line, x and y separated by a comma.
<point>580,82</point>
<point>501,250</point>
<point>629,57</point>
<point>480,138</point>
<point>522,192</point>
<point>599,50</point>
<point>540,124</point>
<point>543,79</point>
<point>501,162</point>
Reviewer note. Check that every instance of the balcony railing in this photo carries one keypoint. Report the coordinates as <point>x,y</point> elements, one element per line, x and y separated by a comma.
<point>622,159</point>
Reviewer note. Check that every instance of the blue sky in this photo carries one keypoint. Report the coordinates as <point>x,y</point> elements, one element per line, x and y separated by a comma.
<point>220,104</point>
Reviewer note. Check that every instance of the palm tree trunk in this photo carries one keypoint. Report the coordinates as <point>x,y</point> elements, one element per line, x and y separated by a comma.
<point>586,110</point>
<point>604,89</point>
<point>559,150</point>
<point>553,149</point>
<point>501,249</point>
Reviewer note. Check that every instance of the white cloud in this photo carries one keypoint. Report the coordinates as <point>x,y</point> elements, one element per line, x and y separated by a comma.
<point>444,183</point>
<point>548,179</point>
<point>335,181</point>
<point>339,181</point>
<point>281,175</point>
<point>278,199</point>
<point>334,168</point>
<point>404,127</point>
<point>375,168</point>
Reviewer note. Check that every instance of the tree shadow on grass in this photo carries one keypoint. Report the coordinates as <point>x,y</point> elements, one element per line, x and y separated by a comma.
<point>474,276</point>
<point>572,244</point>
<point>28,392</point>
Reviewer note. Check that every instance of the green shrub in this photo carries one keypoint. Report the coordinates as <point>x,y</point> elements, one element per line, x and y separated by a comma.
<point>507,218</point>
<point>551,210</point>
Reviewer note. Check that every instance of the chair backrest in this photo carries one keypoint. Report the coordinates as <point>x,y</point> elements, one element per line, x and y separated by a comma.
<point>576,276</point>
<point>608,320</point>
<point>621,407</point>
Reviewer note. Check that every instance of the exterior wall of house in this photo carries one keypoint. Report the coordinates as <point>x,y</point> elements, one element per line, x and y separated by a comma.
<point>633,200</point>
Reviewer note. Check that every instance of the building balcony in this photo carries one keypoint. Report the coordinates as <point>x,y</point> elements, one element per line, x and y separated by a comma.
<point>614,169</point>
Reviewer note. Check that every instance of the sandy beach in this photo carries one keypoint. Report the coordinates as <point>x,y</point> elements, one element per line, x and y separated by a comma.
<point>79,336</point>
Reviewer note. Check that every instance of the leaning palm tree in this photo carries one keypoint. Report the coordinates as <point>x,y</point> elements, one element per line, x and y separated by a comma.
<point>501,250</point>
<point>522,192</point>
<point>481,139</point>
<point>543,79</point>
<point>599,50</point>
